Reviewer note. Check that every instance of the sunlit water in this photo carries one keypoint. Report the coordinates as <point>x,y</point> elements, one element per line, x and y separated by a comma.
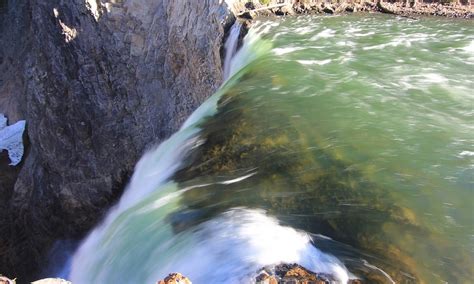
<point>342,143</point>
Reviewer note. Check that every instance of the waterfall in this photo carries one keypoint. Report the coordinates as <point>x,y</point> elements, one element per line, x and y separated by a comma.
<point>231,45</point>
<point>99,257</point>
<point>139,242</point>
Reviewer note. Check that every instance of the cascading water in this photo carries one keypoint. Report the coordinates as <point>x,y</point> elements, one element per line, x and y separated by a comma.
<point>355,128</point>
<point>139,243</point>
<point>231,45</point>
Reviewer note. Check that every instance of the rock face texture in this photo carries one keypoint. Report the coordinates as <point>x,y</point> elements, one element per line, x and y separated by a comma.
<point>98,83</point>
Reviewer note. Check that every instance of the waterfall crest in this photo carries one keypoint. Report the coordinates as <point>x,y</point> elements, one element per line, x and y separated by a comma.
<point>105,251</point>
<point>231,46</point>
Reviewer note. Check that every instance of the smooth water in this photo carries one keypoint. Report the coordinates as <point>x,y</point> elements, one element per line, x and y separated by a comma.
<point>342,143</point>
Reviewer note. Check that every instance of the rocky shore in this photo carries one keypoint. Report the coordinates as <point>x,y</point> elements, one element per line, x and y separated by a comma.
<point>451,10</point>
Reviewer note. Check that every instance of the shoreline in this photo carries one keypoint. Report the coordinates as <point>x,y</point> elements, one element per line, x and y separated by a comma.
<point>402,9</point>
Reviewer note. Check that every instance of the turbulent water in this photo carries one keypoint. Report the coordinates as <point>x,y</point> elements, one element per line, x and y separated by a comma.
<point>341,143</point>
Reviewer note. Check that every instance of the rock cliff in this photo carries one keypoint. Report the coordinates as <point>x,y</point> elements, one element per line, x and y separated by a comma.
<point>97,83</point>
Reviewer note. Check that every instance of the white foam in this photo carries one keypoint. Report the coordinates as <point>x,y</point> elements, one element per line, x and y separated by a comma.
<point>469,48</point>
<point>466,154</point>
<point>434,78</point>
<point>314,62</point>
<point>241,241</point>
<point>285,50</point>
<point>326,33</point>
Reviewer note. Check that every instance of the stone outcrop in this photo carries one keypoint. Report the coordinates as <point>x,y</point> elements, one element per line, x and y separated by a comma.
<point>175,278</point>
<point>427,9</point>
<point>98,82</point>
<point>402,8</point>
<point>294,273</point>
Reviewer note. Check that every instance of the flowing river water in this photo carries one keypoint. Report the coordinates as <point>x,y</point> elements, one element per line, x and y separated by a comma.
<point>344,144</point>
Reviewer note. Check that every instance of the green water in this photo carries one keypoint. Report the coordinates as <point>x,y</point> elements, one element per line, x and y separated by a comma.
<point>354,130</point>
<point>359,128</point>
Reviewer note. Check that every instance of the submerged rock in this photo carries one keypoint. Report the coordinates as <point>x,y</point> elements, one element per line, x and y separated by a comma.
<point>175,278</point>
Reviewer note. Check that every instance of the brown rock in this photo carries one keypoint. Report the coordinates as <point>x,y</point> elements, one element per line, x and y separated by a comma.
<point>175,278</point>
<point>301,274</point>
<point>291,273</point>
<point>265,278</point>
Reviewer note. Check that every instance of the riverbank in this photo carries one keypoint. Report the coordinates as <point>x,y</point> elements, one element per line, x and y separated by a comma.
<point>399,8</point>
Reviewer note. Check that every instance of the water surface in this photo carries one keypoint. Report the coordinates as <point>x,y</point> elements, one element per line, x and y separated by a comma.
<point>341,143</point>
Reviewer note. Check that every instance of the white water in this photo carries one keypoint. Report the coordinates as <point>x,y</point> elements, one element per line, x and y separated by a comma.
<point>231,47</point>
<point>235,245</point>
<point>137,242</point>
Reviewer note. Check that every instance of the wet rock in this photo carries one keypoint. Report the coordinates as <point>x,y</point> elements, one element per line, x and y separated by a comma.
<point>328,10</point>
<point>350,9</point>
<point>175,278</point>
<point>249,15</point>
<point>250,5</point>
<point>291,273</point>
<point>265,278</point>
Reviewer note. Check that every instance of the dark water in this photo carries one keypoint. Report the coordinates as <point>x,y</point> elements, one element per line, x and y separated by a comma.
<point>356,131</point>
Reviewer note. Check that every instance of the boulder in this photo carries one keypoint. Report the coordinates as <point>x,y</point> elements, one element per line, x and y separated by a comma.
<point>175,278</point>
<point>291,273</point>
<point>287,10</point>
<point>328,10</point>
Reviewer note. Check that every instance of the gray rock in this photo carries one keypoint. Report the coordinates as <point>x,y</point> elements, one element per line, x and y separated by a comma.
<point>98,84</point>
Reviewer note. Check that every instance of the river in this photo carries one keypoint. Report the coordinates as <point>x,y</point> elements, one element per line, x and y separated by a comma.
<point>342,143</point>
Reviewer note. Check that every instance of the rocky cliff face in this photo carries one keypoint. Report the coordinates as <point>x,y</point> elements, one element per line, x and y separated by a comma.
<point>98,83</point>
